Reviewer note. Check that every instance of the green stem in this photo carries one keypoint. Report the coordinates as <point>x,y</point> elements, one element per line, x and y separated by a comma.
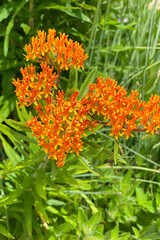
<point>130,167</point>
<point>31,9</point>
<point>57,84</point>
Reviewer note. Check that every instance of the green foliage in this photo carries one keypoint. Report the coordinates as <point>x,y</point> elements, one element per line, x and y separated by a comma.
<point>89,198</point>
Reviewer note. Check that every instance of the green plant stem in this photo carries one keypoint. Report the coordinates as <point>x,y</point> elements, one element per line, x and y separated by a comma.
<point>93,34</point>
<point>130,167</point>
<point>31,9</point>
<point>101,37</point>
<point>57,84</point>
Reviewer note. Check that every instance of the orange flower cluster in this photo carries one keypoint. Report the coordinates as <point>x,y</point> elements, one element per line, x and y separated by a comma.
<point>60,126</point>
<point>60,52</point>
<point>125,113</point>
<point>35,86</point>
<point>61,122</point>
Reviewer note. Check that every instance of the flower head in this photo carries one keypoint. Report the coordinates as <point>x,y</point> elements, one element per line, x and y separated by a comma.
<point>60,51</point>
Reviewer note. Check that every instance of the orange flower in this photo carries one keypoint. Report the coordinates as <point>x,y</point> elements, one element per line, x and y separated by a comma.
<point>61,52</point>
<point>61,122</point>
<point>123,113</point>
<point>35,86</point>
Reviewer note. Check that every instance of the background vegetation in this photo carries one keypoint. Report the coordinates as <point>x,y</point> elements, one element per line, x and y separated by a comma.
<point>89,198</point>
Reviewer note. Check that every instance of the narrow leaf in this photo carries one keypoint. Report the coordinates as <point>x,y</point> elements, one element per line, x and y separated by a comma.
<point>85,86</point>
<point>11,198</point>
<point>41,183</point>
<point>73,79</point>
<point>5,232</point>
<point>66,177</point>
<point>89,165</point>
<point>8,107</point>
<point>11,153</point>
<point>116,147</point>
<point>40,206</point>
<point>10,26</point>
<point>28,212</point>
<point>114,234</point>
<point>93,221</point>
<point>90,203</point>
<point>82,218</point>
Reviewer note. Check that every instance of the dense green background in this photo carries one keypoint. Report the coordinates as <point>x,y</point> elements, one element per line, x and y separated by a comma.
<point>89,198</point>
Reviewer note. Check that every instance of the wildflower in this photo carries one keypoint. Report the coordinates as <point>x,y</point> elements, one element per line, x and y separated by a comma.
<point>61,121</point>
<point>58,51</point>
<point>124,113</point>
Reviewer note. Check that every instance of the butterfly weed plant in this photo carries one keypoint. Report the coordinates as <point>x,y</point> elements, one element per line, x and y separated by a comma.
<point>53,148</point>
<point>61,121</point>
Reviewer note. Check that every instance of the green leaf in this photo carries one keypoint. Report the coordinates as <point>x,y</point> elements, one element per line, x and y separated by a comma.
<point>55,169</point>
<point>11,153</point>
<point>9,64</point>
<point>53,211</point>
<point>136,232</point>
<point>51,238</point>
<point>25,28</point>
<point>114,233</point>
<point>127,26</point>
<point>73,79</point>
<point>147,136</point>
<point>10,26</point>
<point>8,107</point>
<point>16,139</point>
<point>85,85</point>
<point>63,228</point>
<point>90,203</point>
<point>6,9</point>
<point>28,202</point>
<point>33,159</point>
<point>89,165</point>
<point>39,205</point>
<point>91,238</point>
<point>5,232</point>
<point>41,183</point>
<point>86,6</point>
<point>141,197</point>
<point>25,113</point>
<point>13,135</point>
<point>12,198</point>
<point>55,202</point>
<point>93,221</point>
<point>150,232</point>
<point>66,177</point>
<point>158,199</point>
<point>69,10</point>
<point>20,115</point>
<point>57,193</point>
<point>4,13</point>
<point>82,218</point>
<point>120,48</point>
<point>84,186</point>
<point>93,145</point>
<point>116,148</point>
<point>125,183</point>
<point>17,125</point>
